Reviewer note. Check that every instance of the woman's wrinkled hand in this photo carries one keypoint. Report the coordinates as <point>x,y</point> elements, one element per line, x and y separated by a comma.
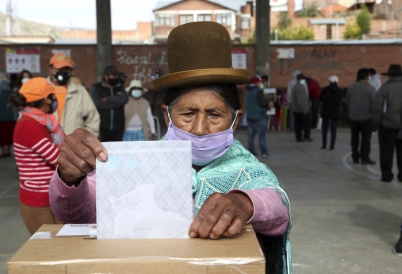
<point>78,156</point>
<point>222,215</point>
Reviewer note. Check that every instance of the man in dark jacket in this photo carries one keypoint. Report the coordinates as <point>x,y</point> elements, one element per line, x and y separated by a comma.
<point>257,106</point>
<point>386,110</point>
<point>359,100</point>
<point>331,97</point>
<point>301,110</point>
<point>109,97</point>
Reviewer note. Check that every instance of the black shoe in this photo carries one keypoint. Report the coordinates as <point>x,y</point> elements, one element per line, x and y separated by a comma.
<point>299,140</point>
<point>368,162</point>
<point>308,140</point>
<point>323,147</point>
<point>398,247</point>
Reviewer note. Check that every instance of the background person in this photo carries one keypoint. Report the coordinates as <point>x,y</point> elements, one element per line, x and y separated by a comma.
<point>375,79</point>
<point>314,91</point>
<point>331,97</point>
<point>139,119</point>
<point>109,97</point>
<point>76,108</point>
<point>386,111</point>
<point>201,105</point>
<point>301,110</point>
<point>7,120</point>
<point>23,76</point>
<point>359,100</point>
<point>37,141</point>
<point>256,105</point>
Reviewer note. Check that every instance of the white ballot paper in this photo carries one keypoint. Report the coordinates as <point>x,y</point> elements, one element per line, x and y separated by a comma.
<point>77,230</point>
<point>144,190</point>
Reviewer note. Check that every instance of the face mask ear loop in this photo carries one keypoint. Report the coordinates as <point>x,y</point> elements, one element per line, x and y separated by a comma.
<point>234,120</point>
<point>167,110</point>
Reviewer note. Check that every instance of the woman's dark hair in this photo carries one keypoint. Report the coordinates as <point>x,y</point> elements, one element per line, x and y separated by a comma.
<point>362,74</point>
<point>227,91</point>
<point>18,100</point>
<point>21,75</point>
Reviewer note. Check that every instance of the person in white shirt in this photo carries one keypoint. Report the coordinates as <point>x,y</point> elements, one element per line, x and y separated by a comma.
<point>374,79</point>
<point>139,118</point>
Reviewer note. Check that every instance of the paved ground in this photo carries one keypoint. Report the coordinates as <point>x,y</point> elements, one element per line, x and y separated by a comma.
<point>344,219</point>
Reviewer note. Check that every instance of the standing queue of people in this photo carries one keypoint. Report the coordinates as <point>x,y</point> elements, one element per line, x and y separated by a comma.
<point>53,107</point>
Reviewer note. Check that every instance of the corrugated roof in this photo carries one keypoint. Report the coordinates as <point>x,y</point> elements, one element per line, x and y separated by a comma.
<point>164,3</point>
<point>327,21</point>
<point>340,42</point>
<point>230,4</point>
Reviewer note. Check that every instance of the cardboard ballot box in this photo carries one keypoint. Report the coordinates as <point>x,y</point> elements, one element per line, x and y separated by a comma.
<point>51,254</point>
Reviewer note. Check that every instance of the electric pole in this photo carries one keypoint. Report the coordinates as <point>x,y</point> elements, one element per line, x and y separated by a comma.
<point>104,37</point>
<point>262,38</point>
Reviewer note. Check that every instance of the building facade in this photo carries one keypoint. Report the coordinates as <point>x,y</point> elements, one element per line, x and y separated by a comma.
<point>235,15</point>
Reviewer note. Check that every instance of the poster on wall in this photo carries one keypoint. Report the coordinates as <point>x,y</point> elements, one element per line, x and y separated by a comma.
<point>285,53</point>
<point>18,60</point>
<point>239,58</point>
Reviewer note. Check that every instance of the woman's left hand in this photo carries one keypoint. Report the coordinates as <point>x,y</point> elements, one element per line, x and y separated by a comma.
<point>222,214</point>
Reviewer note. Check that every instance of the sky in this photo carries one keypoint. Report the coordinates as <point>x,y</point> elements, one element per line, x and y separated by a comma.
<point>82,13</point>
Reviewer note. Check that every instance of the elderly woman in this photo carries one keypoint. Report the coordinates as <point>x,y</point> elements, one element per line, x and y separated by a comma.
<point>230,186</point>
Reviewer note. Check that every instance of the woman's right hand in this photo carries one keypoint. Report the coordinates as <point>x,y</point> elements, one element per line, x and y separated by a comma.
<point>78,156</point>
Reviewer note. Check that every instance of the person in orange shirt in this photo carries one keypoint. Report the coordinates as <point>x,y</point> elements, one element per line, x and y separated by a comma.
<point>76,108</point>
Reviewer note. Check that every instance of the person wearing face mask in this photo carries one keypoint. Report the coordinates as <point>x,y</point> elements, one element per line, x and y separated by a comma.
<point>139,118</point>
<point>256,106</point>
<point>230,186</point>
<point>109,97</point>
<point>75,109</point>
<point>37,141</point>
<point>301,110</point>
<point>23,76</point>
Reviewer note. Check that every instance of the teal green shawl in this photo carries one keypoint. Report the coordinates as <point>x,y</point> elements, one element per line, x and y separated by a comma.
<point>239,169</point>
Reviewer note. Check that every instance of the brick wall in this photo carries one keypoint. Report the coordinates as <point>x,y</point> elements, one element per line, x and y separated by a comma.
<point>315,60</point>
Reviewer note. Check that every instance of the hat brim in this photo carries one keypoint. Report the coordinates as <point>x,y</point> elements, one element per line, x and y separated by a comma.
<point>202,77</point>
<point>144,90</point>
<point>62,64</point>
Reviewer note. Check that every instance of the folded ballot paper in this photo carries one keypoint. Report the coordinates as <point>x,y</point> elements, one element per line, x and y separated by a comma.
<point>144,190</point>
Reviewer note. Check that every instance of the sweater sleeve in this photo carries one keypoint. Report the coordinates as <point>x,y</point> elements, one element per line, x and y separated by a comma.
<point>119,100</point>
<point>150,119</point>
<point>75,204</point>
<point>270,215</point>
<point>37,137</point>
<point>91,116</point>
<point>99,103</point>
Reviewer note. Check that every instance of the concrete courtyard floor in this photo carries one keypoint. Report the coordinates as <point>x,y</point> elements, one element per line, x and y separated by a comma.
<point>344,219</point>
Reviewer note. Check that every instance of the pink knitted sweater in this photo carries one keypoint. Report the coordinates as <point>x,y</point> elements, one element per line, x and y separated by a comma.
<point>78,205</point>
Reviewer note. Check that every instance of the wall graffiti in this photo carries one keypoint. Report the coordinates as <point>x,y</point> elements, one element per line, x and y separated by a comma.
<point>143,65</point>
<point>321,59</point>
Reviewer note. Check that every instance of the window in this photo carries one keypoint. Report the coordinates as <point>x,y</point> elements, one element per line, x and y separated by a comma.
<point>164,20</point>
<point>187,18</point>
<point>245,23</point>
<point>329,32</point>
<point>224,19</point>
<point>203,17</point>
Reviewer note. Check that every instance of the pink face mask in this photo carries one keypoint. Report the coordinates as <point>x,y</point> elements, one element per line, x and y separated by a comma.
<point>205,148</point>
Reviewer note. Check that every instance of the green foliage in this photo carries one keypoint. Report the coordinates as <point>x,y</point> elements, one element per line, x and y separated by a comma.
<point>352,30</point>
<point>309,11</point>
<point>284,20</point>
<point>294,33</point>
<point>251,39</point>
<point>363,20</point>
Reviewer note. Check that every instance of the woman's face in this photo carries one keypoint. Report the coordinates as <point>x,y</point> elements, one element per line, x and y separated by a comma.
<point>25,75</point>
<point>200,112</point>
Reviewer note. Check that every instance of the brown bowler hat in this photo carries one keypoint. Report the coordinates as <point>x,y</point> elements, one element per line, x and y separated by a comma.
<point>200,53</point>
